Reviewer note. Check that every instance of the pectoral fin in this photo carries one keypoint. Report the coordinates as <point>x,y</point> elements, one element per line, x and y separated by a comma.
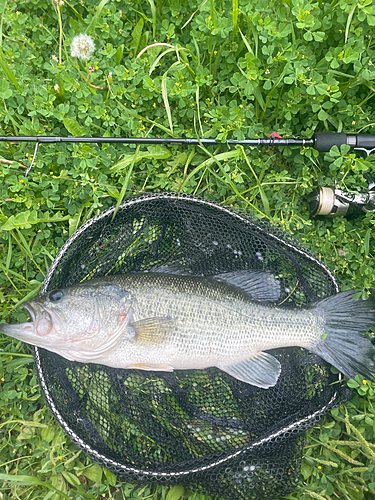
<point>153,330</point>
<point>262,370</point>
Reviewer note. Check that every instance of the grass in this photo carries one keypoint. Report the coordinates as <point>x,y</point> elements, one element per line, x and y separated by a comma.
<point>214,68</point>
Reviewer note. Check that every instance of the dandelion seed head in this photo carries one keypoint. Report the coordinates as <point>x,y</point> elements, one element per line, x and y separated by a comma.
<point>82,46</point>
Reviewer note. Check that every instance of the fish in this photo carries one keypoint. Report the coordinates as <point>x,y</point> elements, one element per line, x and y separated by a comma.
<point>166,321</point>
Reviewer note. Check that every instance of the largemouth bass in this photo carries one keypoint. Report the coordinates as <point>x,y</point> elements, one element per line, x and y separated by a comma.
<point>165,322</point>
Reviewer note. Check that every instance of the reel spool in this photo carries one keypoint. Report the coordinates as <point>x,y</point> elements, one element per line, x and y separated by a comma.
<point>333,202</point>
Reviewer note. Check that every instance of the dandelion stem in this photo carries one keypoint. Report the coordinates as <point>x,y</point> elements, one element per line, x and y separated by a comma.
<point>94,86</point>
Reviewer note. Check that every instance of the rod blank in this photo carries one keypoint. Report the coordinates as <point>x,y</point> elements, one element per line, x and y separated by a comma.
<point>322,141</point>
<point>146,140</point>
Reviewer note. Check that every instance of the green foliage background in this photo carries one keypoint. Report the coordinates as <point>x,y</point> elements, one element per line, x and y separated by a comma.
<point>171,68</point>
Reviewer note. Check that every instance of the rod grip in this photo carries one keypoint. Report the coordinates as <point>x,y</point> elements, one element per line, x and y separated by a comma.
<point>366,141</point>
<point>325,140</point>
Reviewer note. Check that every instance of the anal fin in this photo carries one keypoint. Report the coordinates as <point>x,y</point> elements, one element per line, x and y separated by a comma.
<point>262,370</point>
<point>154,367</point>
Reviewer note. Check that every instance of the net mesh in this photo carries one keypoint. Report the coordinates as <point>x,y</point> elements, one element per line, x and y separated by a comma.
<point>200,428</point>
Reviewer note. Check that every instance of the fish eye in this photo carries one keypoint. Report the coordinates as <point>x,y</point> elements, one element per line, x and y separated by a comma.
<point>55,295</point>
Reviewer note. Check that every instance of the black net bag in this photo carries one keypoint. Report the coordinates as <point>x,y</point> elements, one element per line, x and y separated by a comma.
<point>200,428</point>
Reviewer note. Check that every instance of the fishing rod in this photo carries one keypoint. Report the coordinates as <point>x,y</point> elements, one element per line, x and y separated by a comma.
<point>168,140</point>
<point>273,140</point>
<point>321,141</point>
<point>324,201</point>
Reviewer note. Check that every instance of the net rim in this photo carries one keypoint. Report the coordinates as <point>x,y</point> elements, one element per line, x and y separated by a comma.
<point>261,226</point>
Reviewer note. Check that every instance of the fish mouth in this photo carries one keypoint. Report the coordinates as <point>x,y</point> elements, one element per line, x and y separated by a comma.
<point>29,310</point>
<point>35,332</point>
<point>21,331</point>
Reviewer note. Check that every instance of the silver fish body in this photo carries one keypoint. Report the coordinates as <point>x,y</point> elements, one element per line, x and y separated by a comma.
<point>159,321</point>
<point>212,323</point>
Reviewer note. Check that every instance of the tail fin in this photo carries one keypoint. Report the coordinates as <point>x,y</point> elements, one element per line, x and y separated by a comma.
<point>341,344</point>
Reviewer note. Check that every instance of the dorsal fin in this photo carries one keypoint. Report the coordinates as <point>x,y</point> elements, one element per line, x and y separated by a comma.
<point>172,269</point>
<point>261,285</point>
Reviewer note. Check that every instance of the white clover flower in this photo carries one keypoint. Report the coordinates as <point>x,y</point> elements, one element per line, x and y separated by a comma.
<point>82,46</point>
